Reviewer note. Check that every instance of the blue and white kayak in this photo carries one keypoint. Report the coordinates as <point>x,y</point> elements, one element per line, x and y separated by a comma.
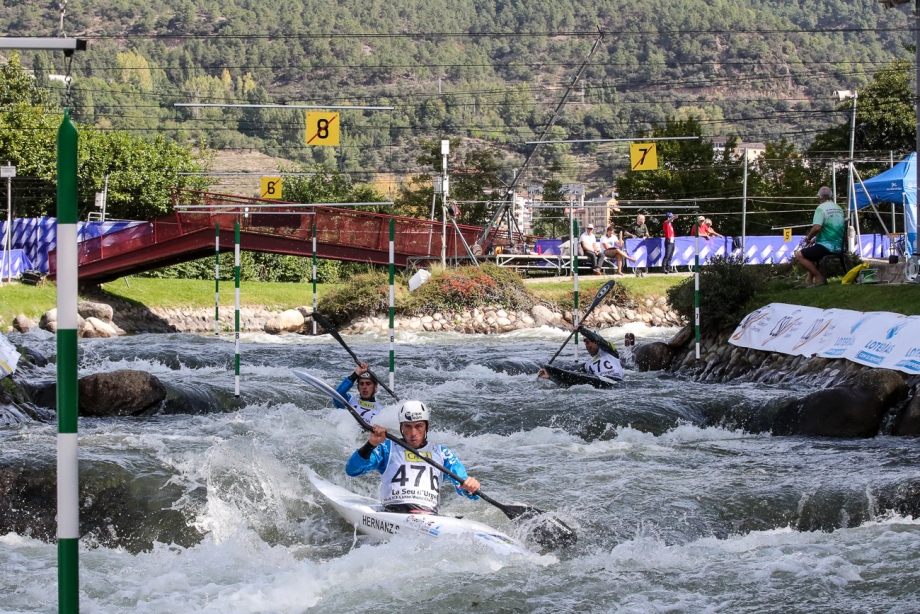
<point>368,517</point>
<point>576,376</point>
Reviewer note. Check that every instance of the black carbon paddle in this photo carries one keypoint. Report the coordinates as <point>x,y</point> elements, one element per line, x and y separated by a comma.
<point>329,327</point>
<point>550,533</point>
<point>604,291</point>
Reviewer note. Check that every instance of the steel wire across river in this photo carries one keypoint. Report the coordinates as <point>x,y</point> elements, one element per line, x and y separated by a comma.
<point>219,513</point>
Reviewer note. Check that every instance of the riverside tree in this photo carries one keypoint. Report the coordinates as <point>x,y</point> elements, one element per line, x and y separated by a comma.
<point>141,172</point>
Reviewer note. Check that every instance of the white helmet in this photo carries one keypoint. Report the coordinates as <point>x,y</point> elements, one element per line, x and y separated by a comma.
<point>414,411</point>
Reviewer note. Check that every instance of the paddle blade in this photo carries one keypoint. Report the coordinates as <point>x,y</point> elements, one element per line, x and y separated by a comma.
<point>548,531</point>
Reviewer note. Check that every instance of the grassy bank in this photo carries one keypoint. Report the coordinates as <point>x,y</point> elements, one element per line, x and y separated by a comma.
<point>33,301</point>
<point>638,288</point>
<point>904,299</point>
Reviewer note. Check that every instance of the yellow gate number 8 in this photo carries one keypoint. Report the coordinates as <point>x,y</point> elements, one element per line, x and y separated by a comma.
<point>322,129</point>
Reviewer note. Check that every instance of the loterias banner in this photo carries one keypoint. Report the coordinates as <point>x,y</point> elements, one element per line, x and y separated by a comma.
<point>876,339</point>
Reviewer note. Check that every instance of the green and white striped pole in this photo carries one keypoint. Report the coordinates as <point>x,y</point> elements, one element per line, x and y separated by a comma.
<point>314,276</point>
<point>217,278</point>
<point>696,289</point>
<point>236,314</point>
<point>392,301</point>
<point>573,249</point>
<point>68,489</point>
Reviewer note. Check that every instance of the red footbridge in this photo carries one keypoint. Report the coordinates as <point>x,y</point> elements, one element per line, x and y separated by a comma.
<point>188,234</point>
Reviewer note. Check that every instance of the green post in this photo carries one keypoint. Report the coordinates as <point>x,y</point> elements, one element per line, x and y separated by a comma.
<point>573,249</point>
<point>314,275</point>
<point>217,277</point>
<point>236,315</point>
<point>696,289</point>
<point>392,300</point>
<point>68,491</point>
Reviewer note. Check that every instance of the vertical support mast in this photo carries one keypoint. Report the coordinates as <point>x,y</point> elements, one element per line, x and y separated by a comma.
<point>217,277</point>
<point>68,513</point>
<point>392,301</point>
<point>236,311</point>
<point>696,286</point>
<point>574,251</point>
<point>314,275</point>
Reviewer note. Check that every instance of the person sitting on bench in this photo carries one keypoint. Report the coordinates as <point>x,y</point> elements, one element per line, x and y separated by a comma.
<point>592,249</point>
<point>614,249</point>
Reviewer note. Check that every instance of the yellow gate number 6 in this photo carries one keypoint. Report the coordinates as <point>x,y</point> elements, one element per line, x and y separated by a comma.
<point>322,128</point>
<point>271,187</point>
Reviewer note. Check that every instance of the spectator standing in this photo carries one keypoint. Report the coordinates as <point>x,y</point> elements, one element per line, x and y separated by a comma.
<point>703,226</point>
<point>825,237</point>
<point>592,249</point>
<point>712,231</point>
<point>668,227</point>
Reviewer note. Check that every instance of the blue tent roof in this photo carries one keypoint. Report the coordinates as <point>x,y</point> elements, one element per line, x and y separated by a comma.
<point>892,185</point>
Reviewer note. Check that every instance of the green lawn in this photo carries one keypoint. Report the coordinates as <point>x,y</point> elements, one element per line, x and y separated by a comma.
<point>639,287</point>
<point>200,292</point>
<point>33,301</point>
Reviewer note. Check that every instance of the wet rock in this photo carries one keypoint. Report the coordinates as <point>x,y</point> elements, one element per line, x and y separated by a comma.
<point>29,357</point>
<point>542,316</point>
<point>119,393</point>
<point>117,509</point>
<point>909,421</point>
<point>852,410</point>
<point>23,324</point>
<point>94,327</point>
<point>288,321</point>
<point>653,356</point>
<point>100,311</point>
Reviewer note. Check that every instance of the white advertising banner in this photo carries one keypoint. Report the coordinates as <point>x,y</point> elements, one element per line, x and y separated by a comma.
<point>876,339</point>
<point>8,357</point>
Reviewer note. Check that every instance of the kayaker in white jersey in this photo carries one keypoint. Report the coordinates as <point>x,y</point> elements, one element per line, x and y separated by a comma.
<point>365,403</point>
<point>604,359</point>
<point>408,484</point>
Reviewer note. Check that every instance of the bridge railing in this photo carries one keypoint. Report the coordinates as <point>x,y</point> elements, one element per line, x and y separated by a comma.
<point>335,226</point>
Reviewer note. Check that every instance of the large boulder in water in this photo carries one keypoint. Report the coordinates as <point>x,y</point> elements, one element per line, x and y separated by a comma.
<point>542,316</point>
<point>653,356</point>
<point>289,321</point>
<point>683,337</point>
<point>855,409</point>
<point>119,393</point>
<point>100,311</point>
<point>909,420</point>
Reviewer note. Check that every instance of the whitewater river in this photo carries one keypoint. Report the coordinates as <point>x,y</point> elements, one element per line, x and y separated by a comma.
<point>672,515</point>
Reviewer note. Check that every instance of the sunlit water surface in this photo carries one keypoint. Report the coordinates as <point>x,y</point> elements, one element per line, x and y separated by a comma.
<point>672,515</point>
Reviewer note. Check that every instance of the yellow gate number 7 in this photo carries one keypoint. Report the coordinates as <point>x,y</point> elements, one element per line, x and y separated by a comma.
<point>322,129</point>
<point>643,156</point>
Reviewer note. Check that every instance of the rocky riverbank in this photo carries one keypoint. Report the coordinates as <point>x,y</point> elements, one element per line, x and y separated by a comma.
<point>847,399</point>
<point>122,317</point>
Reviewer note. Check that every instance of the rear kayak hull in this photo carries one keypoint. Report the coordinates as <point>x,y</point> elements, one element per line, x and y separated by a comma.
<point>566,378</point>
<point>368,517</point>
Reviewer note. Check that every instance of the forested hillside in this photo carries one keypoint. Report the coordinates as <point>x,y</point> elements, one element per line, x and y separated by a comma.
<point>489,71</point>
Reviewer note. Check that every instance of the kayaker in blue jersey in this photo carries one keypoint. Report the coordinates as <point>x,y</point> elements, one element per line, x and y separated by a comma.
<point>604,360</point>
<point>365,403</point>
<point>407,483</point>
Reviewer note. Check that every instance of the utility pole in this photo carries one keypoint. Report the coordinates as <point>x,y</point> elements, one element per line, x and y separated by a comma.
<point>445,150</point>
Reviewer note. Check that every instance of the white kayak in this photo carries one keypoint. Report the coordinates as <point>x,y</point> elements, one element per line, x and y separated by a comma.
<point>367,515</point>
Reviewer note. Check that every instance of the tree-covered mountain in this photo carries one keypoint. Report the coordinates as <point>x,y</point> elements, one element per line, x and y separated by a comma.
<point>488,71</point>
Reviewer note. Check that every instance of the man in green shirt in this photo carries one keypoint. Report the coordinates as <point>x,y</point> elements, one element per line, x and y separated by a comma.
<point>824,238</point>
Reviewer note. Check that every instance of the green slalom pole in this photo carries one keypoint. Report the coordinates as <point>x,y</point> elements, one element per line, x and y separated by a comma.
<point>314,276</point>
<point>217,278</point>
<point>236,314</point>
<point>68,490</point>
<point>392,301</point>
<point>573,249</point>
<point>696,289</point>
